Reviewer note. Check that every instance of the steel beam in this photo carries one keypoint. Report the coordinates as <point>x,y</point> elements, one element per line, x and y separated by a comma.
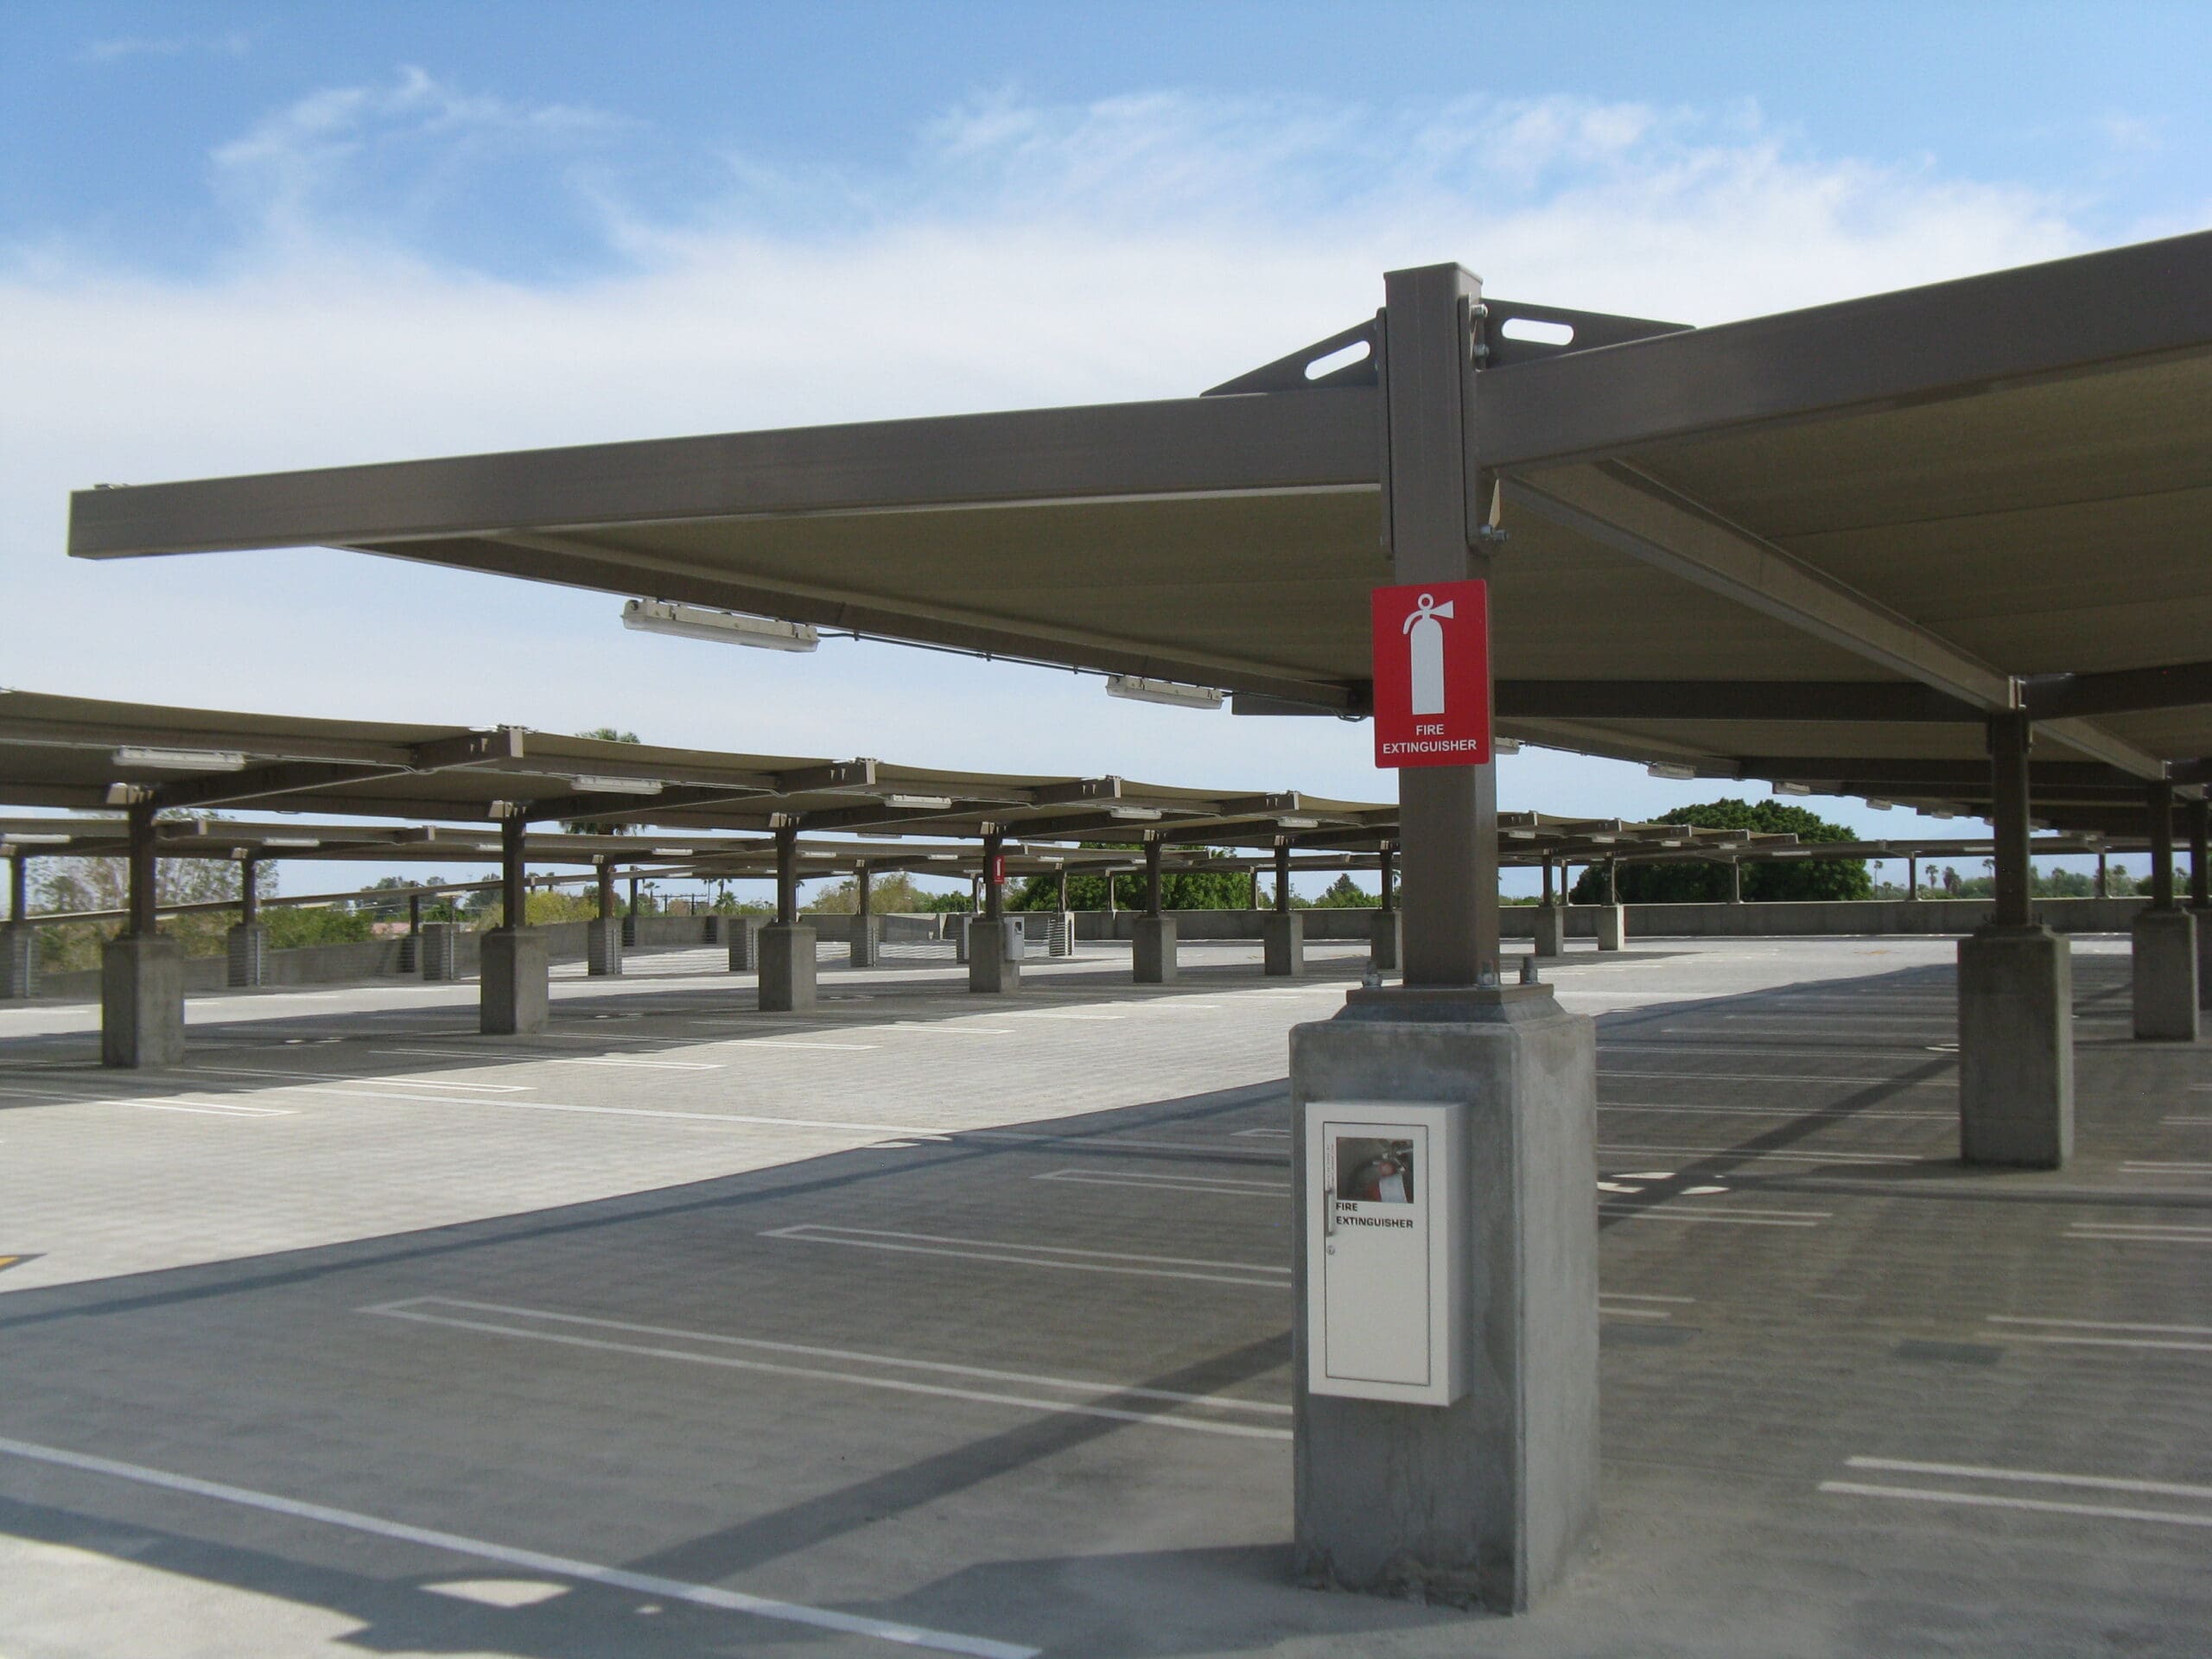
<point>1640,518</point>
<point>2178,685</point>
<point>1886,701</point>
<point>1948,340</point>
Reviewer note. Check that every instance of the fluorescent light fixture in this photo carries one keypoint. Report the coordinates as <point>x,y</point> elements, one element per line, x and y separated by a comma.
<point>671,852</point>
<point>181,760</point>
<point>941,858</point>
<point>1671,769</point>
<point>291,841</point>
<point>1793,788</point>
<point>1505,745</point>
<point>818,854</point>
<point>38,840</point>
<point>879,835</point>
<point>722,627</point>
<point>919,803</point>
<point>615,786</point>
<point>1146,813</point>
<point>1876,804</point>
<point>1137,688</point>
<point>1792,852</point>
<point>1298,823</point>
<point>1941,812</point>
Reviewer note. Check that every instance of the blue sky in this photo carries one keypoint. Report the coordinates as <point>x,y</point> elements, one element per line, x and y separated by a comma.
<point>239,238</point>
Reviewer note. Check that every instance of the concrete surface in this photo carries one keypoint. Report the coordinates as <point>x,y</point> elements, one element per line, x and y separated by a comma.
<point>514,992</point>
<point>560,1346</point>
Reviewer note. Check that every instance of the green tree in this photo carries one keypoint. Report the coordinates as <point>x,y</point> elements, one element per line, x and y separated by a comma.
<point>1179,889</point>
<point>1343,894</point>
<point>597,827</point>
<point>78,884</point>
<point>1765,880</point>
<point>292,926</point>
<point>893,892</point>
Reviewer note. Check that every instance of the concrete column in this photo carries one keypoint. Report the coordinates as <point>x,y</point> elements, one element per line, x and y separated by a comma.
<point>1282,943</point>
<point>1551,929</point>
<point>867,934</point>
<point>141,974</point>
<point>2164,940</point>
<point>1612,880</point>
<point>2016,1047</point>
<point>514,871</point>
<point>440,950</point>
<point>1062,940</point>
<point>1386,945</point>
<point>513,991</point>
<point>246,947</point>
<point>1492,1498</point>
<point>411,947</point>
<point>1912,877</point>
<point>786,967</point>
<point>2200,895</point>
<point>963,928</point>
<point>2104,889</point>
<point>1110,908</point>
<point>1255,887</point>
<point>141,1001</point>
<point>630,916</point>
<point>710,928</point>
<point>995,950</point>
<point>2015,991</point>
<point>1613,926</point>
<point>744,944</point>
<point>603,934</point>
<point>19,962</point>
<point>1735,881</point>
<point>1153,941</point>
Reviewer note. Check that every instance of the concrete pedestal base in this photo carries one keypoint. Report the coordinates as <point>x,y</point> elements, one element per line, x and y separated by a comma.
<point>2203,957</point>
<point>2165,976</point>
<point>868,940</point>
<point>18,960</point>
<point>1613,926</point>
<point>1060,939</point>
<point>961,925</point>
<point>1152,940</point>
<point>744,944</point>
<point>1493,1498</point>
<point>248,950</point>
<point>603,948</point>
<point>994,957</point>
<point>710,929</point>
<point>437,951</point>
<point>2016,1048</point>
<point>410,954</point>
<point>630,930</point>
<point>512,1000</point>
<point>1551,931</point>
<point>142,1002</point>
<point>786,951</point>
<point>1282,944</point>
<point>1386,947</point>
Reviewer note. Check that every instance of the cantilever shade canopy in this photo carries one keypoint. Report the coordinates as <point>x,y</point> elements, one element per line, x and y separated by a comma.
<point>1821,546</point>
<point>80,753</point>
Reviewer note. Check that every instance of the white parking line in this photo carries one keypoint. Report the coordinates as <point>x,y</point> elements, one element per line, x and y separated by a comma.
<point>1997,1501</point>
<point>554,1060</point>
<point>1773,1076</point>
<point>786,1042</point>
<point>704,1595</point>
<point>1778,1156</point>
<point>355,1076</point>
<point>2076,1332</point>
<point>1036,1256</point>
<point>1736,1217</point>
<point>2141,1167</point>
<point>1778,1111</point>
<point>2123,1232</point>
<point>1176,1183</point>
<point>410,1308</point>
<point>208,1108</point>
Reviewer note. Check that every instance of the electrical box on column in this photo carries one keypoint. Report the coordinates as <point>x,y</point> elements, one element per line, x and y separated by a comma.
<point>1385,1249</point>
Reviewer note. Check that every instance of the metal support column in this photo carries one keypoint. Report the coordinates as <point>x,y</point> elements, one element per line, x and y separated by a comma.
<point>864,952</point>
<point>246,945</point>
<point>786,945</point>
<point>2200,893</point>
<point>1387,945</point>
<point>1282,931</point>
<point>141,973</point>
<point>995,949</point>
<point>603,934</point>
<point>1735,881</point>
<point>1152,935</point>
<point>1490,1496</point>
<point>2104,880</point>
<point>1912,877</point>
<point>2016,1006</point>
<point>512,988</point>
<point>2164,937</point>
<point>19,947</point>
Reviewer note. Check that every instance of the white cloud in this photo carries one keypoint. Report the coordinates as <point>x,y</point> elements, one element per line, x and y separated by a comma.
<point>116,50</point>
<point>1140,246</point>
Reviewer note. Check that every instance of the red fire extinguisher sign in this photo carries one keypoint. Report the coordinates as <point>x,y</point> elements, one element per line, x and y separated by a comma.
<point>1432,674</point>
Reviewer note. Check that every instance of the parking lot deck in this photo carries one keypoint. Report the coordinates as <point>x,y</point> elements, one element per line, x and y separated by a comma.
<point>931,1320</point>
